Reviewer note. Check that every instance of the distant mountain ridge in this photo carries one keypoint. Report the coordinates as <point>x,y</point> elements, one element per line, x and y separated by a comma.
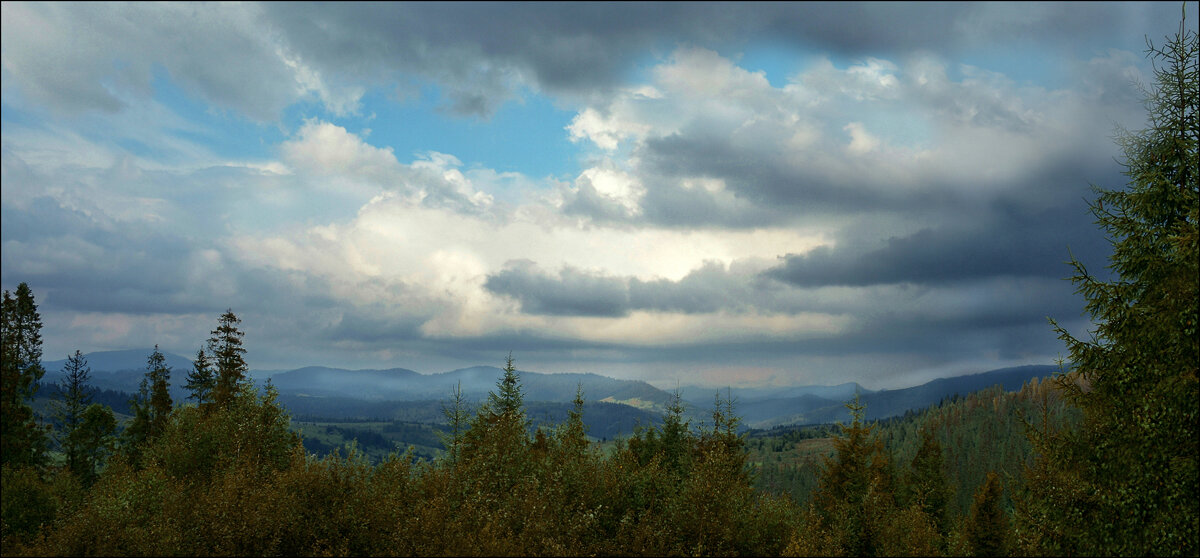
<point>399,384</point>
<point>115,361</point>
<point>811,409</point>
<point>388,391</point>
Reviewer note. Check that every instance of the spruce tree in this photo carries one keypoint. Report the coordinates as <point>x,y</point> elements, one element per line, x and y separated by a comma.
<point>927,482</point>
<point>22,438</point>
<point>151,406</point>
<point>137,432</point>
<point>457,420</point>
<point>508,399</point>
<point>572,436</point>
<point>676,436</point>
<point>159,376</point>
<point>987,527</point>
<point>1134,457</point>
<point>225,345</point>
<point>93,440</point>
<point>72,399</point>
<point>854,498</point>
<point>201,380</point>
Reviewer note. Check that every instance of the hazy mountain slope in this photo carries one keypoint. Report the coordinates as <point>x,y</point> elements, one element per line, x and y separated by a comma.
<point>335,392</point>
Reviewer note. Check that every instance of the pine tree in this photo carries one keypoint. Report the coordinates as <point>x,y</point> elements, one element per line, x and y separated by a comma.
<point>987,529</point>
<point>676,439</point>
<point>93,440</point>
<point>927,482</point>
<point>457,420</point>
<point>72,399</point>
<point>572,436</point>
<point>1135,453</point>
<point>225,345</point>
<point>200,380</point>
<point>137,432</point>
<point>151,407</point>
<point>723,443</point>
<point>508,399</point>
<point>22,438</point>
<point>855,495</point>
<point>159,376</point>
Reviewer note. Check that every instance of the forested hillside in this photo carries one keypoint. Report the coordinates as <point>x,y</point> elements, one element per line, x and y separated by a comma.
<point>984,431</point>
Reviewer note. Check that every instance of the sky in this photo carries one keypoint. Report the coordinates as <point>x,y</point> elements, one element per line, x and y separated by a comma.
<point>683,193</point>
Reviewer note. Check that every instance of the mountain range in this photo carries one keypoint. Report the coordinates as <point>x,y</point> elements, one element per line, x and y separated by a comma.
<point>402,394</point>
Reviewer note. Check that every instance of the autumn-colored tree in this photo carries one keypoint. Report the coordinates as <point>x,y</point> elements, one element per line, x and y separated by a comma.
<point>987,526</point>
<point>854,511</point>
<point>926,482</point>
<point>495,463</point>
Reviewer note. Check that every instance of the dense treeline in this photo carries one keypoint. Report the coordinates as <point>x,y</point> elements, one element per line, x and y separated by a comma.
<point>978,433</point>
<point>1112,466</point>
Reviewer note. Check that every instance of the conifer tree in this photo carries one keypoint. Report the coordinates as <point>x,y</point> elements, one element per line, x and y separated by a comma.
<point>855,493</point>
<point>93,440</point>
<point>927,482</point>
<point>137,432</point>
<point>1134,456</point>
<point>676,436</point>
<point>22,438</point>
<point>508,399</point>
<point>200,380</point>
<point>159,375</point>
<point>987,528</point>
<point>72,399</point>
<point>572,437</point>
<point>457,420</point>
<point>151,406</point>
<point>225,345</point>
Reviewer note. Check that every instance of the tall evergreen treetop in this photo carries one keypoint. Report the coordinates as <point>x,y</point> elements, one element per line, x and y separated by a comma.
<point>159,376</point>
<point>73,398</point>
<point>508,399</point>
<point>225,345</point>
<point>22,439</point>
<point>1135,452</point>
<point>200,380</point>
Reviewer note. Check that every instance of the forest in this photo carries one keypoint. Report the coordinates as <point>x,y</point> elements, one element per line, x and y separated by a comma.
<point>1099,460</point>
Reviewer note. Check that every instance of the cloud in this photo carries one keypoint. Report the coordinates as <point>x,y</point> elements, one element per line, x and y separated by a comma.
<point>102,57</point>
<point>899,204</point>
<point>257,59</point>
<point>1021,245</point>
<point>573,293</point>
<point>709,288</point>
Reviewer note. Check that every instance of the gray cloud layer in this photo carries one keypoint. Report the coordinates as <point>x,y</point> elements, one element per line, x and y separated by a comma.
<point>931,257</point>
<point>482,54</point>
<point>1023,245</point>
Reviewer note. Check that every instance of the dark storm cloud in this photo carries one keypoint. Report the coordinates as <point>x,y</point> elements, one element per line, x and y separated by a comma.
<point>83,264</point>
<point>708,288</point>
<point>761,179</point>
<point>573,293</point>
<point>87,266</point>
<point>481,52</point>
<point>361,326</point>
<point>1011,244</point>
